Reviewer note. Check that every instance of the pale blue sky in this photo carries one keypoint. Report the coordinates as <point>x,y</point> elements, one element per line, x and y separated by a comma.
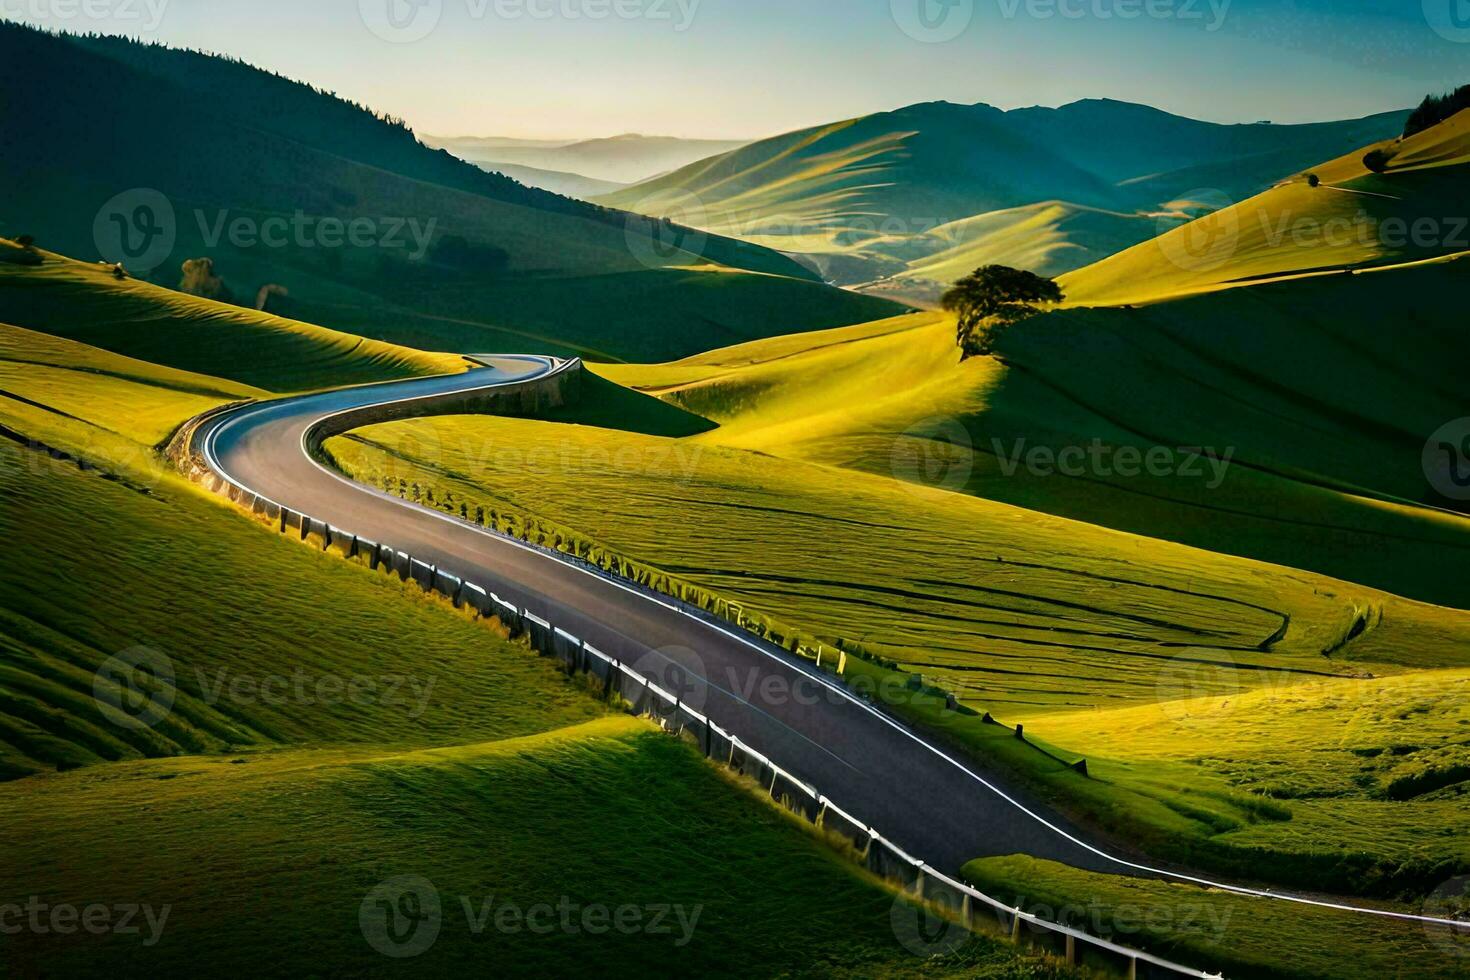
<point>747,68</point>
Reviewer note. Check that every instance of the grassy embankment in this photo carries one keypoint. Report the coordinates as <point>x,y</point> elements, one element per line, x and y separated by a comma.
<point>1030,617</point>
<point>1244,937</point>
<point>262,816</point>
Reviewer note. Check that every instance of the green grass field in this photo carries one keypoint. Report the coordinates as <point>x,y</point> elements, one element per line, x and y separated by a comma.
<point>1355,219</point>
<point>84,302</point>
<point>1243,936</point>
<point>313,748</point>
<point>1029,617</point>
<point>265,861</point>
<point>1264,665</point>
<point>1324,415</point>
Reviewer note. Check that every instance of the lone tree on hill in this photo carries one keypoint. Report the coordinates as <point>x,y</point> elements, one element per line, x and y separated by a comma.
<point>992,298</point>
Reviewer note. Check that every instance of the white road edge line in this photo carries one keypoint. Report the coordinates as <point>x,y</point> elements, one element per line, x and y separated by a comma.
<point>552,367</point>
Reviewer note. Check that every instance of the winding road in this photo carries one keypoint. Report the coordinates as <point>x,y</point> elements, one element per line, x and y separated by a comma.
<point>916,793</point>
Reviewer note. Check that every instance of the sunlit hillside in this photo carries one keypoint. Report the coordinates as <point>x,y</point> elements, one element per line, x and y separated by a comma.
<point>1323,398</point>
<point>469,763</point>
<point>1354,217</point>
<point>889,195</point>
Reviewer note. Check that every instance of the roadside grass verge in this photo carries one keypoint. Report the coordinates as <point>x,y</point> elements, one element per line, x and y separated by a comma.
<point>323,729</point>
<point>1028,617</point>
<point>259,657</point>
<point>1245,937</point>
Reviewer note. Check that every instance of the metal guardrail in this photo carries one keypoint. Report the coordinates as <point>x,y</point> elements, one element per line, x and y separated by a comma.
<point>645,697</point>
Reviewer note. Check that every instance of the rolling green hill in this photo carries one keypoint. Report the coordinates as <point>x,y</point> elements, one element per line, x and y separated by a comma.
<point>871,198</point>
<point>1354,218</point>
<point>1323,406</point>
<point>346,212</point>
<point>86,302</point>
<point>328,728</point>
<point>1324,414</point>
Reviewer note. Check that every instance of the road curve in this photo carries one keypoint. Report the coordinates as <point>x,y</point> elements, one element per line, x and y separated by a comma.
<point>915,793</point>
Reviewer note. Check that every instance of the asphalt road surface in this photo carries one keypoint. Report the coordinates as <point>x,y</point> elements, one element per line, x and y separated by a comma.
<point>915,793</point>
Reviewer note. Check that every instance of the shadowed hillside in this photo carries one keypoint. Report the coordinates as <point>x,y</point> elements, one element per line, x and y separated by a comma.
<point>352,218</point>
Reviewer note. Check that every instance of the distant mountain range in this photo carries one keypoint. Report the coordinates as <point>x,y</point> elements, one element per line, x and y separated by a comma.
<point>149,155</point>
<point>556,181</point>
<point>904,199</point>
<point>623,159</point>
